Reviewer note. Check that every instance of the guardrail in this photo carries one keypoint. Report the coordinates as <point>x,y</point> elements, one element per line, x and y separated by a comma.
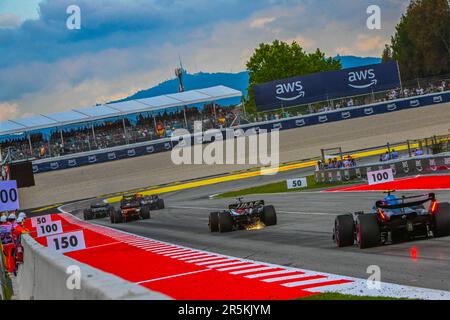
<point>400,168</point>
<point>44,276</point>
<point>146,148</point>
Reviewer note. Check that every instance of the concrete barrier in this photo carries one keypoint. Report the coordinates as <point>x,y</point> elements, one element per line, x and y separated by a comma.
<point>43,276</point>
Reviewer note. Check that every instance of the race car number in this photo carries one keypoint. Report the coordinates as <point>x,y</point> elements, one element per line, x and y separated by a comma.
<point>66,242</point>
<point>49,229</point>
<point>9,196</point>
<point>381,176</point>
<point>297,183</point>
<point>41,220</point>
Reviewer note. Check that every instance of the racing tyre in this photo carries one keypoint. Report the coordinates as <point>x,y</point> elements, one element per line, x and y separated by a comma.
<point>213,222</point>
<point>368,231</point>
<point>87,215</point>
<point>161,204</point>
<point>225,222</point>
<point>269,217</point>
<point>116,217</point>
<point>145,213</point>
<point>442,220</point>
<point>344,234</point>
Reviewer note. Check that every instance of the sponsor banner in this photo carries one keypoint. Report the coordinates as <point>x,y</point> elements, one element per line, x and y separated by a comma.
<point>9,196</point>
<point>284,124</point>
<point>67,242</point>
<point>378,177</point>
<point>326,85</point>
<point>297,183</point>
<point>400,168</point>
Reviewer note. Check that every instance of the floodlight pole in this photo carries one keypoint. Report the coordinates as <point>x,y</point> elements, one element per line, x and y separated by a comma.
<point>93,134</point>
<point>154,123</point>
<point>215,112</point>
<point>62,137</point>
<point>185,117</point>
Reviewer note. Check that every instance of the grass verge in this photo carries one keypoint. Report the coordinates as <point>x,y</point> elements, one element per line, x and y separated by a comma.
<point>280,187</point>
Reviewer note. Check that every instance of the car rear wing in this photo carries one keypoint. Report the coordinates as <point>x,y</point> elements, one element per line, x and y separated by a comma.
<point>246,205</point>
<point>405,202</point>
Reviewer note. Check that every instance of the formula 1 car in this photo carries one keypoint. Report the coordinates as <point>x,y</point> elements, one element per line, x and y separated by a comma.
<point>131,207</point>
<point>394,220</point>
<point>154,201</point>
<point>98,211</point>
<point>242,215</point>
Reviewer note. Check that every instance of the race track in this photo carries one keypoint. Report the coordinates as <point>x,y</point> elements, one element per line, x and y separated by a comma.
<point>295,144</point>
<point>301,239</point>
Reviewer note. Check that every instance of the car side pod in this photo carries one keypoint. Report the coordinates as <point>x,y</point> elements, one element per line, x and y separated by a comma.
<point>441,217</point>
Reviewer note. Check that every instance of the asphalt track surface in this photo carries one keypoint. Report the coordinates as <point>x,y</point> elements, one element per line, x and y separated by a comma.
<point>302,238</point>
<point>295,144</point>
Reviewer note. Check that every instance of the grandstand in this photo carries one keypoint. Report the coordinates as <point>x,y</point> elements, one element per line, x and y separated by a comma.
<point>144,121</point>
<point>116,124</point>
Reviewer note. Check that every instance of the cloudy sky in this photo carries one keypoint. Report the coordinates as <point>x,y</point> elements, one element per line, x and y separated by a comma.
<point>127,45</point>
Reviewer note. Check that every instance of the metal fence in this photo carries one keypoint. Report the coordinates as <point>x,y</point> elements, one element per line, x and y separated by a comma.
<point>426,164</point>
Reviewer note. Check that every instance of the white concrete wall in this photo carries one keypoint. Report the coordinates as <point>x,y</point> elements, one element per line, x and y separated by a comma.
<point>43,277</point>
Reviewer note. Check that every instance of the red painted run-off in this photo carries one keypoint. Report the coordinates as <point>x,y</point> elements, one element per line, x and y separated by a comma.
<point>415,183</point>
<point>184,273</point>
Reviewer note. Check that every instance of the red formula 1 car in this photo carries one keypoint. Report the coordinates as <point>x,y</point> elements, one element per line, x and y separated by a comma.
<point>131,208</point>
<point>394,219</point>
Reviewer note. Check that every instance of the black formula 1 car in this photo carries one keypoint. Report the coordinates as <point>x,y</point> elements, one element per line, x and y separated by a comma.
<point>394,220</point>
<point>154,201</point>
<point>131,208</point>
<point>98,211</point>
<point>243,215</point>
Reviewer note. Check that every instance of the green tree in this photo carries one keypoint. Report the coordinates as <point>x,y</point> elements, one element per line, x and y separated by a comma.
<point>421,40</point>
<point>387,54</point>
<point>280,60</point>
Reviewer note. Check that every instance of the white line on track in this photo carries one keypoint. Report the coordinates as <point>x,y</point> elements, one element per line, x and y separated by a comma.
<point>252,270</point>
<point>307,282</point>
<point>173,276</point>
<point>170,251</point>
<point>295,276</point>
<point>199,255</point>
<point>192,253</point>
<point>172,255</point>
<point>203,259</point>
<point>267,274</point>
<point>249,265</point>
<point>225,264</point>
<point>213,262</point>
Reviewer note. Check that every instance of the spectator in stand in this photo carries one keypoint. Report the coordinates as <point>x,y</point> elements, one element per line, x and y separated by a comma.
<point>385,157</point>
<point>395,154</point>
<point>418,152</point>
<point>330,164</point>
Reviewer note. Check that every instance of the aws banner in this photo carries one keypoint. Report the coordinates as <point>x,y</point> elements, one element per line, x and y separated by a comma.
<point>326,85</point>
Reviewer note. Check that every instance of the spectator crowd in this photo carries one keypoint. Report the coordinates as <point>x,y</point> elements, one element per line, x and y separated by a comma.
<point>116,132</point>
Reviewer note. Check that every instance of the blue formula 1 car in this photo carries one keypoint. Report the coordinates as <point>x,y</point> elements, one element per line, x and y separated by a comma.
<point>394,219</point>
